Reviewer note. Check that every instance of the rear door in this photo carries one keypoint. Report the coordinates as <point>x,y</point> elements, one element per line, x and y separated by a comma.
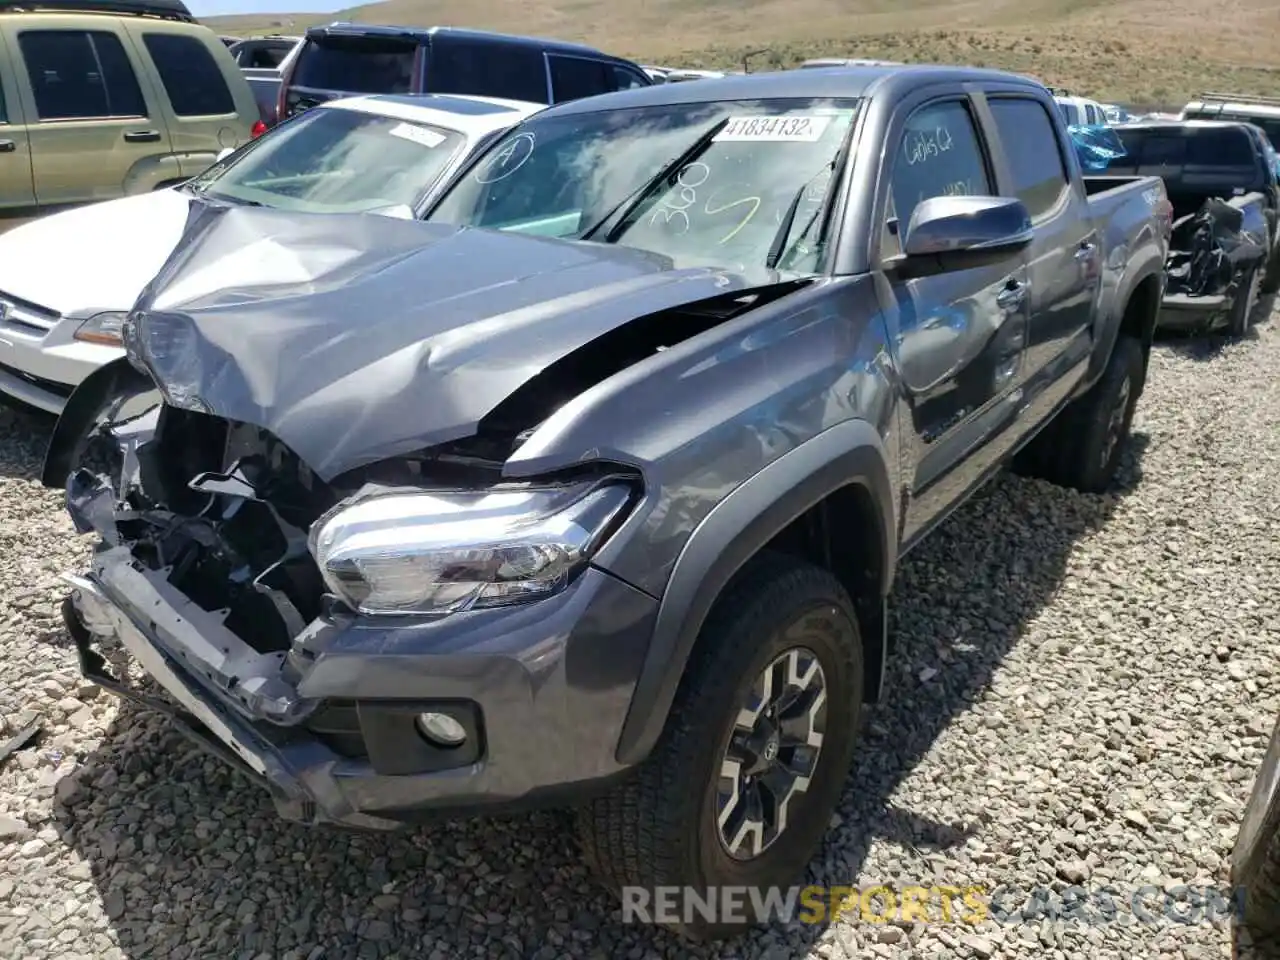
<point>95,127</point>
<point>17,190</point>
<point>332,65</point>
<point>209,104</point>
<point>1065,259</point>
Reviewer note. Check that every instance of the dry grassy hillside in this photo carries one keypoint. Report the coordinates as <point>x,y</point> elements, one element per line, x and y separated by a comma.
<point>1146,51</point>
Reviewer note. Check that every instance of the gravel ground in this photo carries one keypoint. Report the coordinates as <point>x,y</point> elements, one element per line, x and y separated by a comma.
<point>1085,689</point>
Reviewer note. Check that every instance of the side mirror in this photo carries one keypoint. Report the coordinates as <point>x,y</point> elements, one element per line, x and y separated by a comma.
<point>223,154</point>
<point>955,233</point>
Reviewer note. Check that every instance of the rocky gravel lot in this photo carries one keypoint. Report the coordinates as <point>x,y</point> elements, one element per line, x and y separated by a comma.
<point>1085,689</point>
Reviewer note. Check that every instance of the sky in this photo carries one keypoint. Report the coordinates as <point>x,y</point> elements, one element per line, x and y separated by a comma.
<point>210,8</point>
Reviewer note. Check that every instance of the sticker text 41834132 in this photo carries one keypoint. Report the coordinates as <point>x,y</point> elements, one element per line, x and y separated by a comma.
<point>795,127</point>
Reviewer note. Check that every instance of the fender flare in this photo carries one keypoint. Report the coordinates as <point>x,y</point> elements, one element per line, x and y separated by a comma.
<point>735,530</point>
<point>83,404</point>
<point>1151,266</point>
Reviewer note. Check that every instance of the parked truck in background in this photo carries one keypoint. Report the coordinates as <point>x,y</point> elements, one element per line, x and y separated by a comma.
<point>592,488</point>
<point>1239,107</point>
<point>1222,181</point>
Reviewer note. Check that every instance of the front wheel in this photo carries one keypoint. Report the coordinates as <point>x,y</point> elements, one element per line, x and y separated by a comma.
<point>1255,861</point>
<point>741,786</point>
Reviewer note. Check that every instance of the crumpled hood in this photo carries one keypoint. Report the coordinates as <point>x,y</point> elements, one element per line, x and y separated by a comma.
<point>96,257</point>
<point>353,339</point>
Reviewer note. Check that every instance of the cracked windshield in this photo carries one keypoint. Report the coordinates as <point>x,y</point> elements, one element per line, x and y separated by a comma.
<point>737,185</point>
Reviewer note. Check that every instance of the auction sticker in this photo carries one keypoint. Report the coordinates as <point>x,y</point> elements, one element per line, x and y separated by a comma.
<point>806,128</point>
<point>417,134</point>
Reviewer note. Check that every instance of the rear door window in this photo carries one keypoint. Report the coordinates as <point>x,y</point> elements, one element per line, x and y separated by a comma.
<point>192,79</point>
<point>510,70</point>
<point>575,77</point>
<point>80,74</point>
<point>1034,155</point>
<point>356,64</point>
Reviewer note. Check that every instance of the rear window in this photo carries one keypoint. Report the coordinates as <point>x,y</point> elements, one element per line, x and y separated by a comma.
<point>191,77</point>
<point>1175,148</point>
<point>262,56</point>
<point>356,64</point>
<point>512,71</point>
<point>1271,127</point>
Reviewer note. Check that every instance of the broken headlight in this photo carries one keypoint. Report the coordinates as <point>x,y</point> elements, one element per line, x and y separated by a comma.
<point>165,347</point>
<point>442,552</point>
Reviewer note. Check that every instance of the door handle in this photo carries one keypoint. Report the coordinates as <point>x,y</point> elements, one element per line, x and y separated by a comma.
<point>1012,296</point>
<point>1086,251</point>
<point>142,136</point>
<point>8,146</point>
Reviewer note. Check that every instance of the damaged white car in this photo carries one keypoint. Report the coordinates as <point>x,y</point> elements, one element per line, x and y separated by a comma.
<point>67,280</point>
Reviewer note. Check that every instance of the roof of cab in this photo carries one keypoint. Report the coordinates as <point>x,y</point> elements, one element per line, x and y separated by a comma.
<point>818,82</point>
<point>472,116</point>
<point>1187,125</point>
<point>341,27</point>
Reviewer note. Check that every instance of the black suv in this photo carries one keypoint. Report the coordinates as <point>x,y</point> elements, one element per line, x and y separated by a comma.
<point>343,59</point>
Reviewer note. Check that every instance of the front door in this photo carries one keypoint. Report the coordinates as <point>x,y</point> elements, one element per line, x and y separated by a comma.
<point>92,130</point>
<point>960,336</point>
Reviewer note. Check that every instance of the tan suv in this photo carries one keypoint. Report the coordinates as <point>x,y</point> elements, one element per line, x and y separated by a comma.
<point>119,98</point>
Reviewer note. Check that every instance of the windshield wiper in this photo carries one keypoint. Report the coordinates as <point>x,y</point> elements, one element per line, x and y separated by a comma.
<point>669,173</point>
<point>779,245</point>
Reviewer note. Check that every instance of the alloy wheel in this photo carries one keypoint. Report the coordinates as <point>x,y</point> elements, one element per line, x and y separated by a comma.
<point>772,753</point>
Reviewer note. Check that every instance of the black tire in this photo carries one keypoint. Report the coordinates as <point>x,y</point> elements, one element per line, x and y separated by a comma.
<point>1255,861</point>
<point>1081,449</point>
<point>1271,279</point>
<point>660,827</point>
<point>1241,317</point>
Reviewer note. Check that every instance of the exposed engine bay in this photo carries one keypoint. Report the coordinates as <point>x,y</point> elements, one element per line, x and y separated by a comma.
<point>221,510</point>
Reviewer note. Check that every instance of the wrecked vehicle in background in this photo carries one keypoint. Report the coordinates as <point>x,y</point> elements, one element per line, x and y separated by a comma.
<point>60,338</point>
<point>596,482</point>
<point>1222,181</point>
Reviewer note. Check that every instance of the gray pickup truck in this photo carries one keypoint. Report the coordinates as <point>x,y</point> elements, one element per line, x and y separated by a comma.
<point>590,489</point>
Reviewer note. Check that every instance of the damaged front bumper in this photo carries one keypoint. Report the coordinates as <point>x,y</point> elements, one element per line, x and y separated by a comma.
<point>330,727</point>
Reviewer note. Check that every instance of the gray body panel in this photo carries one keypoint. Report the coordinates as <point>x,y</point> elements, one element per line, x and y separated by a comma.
<point>914,392</point>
